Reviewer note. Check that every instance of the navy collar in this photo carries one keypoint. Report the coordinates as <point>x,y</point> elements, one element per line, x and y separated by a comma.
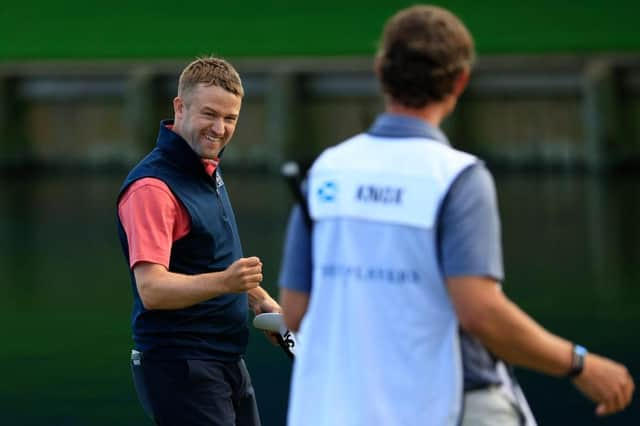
<point>178,150</point>
<point>403,126</point>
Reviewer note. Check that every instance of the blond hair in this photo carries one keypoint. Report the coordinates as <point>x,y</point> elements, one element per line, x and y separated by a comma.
<point>210,71</point>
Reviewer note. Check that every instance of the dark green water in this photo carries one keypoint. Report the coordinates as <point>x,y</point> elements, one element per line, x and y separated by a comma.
<point>572,252</point>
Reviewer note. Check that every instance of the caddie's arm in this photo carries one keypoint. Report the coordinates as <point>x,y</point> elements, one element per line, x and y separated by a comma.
<point>486,313</point>
<point>294,305</point>
<point>295,273</point>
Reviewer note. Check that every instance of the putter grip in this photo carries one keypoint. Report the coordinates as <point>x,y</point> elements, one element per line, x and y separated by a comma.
<point>285,346</point>
<point>273,323</point>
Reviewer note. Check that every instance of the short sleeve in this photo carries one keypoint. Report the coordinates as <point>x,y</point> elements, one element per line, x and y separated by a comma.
<point>468,230</point>
<point>152,219</point>
<point>295,271</point>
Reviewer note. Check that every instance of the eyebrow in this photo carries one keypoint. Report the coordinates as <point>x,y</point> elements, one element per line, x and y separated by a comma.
<point>209,109</point>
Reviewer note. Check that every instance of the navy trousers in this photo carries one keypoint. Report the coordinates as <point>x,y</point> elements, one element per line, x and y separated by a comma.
<point>195,392</point>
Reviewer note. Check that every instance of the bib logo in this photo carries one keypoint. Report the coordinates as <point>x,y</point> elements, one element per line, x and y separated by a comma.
<point>327,192</point>
<point>379,194</point>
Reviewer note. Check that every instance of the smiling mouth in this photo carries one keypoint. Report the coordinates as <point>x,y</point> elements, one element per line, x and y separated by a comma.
<point>212,139</point>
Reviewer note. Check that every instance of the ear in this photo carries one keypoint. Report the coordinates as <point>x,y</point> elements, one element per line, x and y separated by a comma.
<point>178,107</point>
<point>461,82</point>
<point>377,64</point>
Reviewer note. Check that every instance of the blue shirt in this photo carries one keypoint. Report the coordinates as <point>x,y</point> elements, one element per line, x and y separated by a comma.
<point>468,229</point>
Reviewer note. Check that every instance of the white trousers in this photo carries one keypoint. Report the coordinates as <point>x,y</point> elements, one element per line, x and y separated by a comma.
<point>489,407</point>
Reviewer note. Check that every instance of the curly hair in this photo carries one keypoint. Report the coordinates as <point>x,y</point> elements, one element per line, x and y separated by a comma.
<point>210,71</point>
<point>422,51</point>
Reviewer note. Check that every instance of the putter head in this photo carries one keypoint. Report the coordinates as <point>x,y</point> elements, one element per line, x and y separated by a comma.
<point>274,323</point>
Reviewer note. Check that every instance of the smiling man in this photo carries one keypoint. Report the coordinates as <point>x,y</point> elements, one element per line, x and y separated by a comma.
<point>191,284</point>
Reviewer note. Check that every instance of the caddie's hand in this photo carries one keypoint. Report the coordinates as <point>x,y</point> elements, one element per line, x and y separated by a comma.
<point>605,382</point>
<point>243,275</point>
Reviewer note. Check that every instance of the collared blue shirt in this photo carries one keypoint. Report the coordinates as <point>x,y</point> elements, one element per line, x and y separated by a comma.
<point>468,232</point>
<point>403,126</point>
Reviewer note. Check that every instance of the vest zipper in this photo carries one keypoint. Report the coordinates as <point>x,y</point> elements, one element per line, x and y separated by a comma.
<point>214,179</point>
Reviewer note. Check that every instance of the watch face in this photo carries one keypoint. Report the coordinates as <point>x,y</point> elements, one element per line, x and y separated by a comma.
<point>580,350</point>
<point>577,363</point>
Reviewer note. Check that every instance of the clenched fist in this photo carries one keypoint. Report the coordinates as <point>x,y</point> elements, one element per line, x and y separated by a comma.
<point>243,275</point>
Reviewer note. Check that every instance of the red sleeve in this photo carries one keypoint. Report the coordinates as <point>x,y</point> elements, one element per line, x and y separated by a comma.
<point>152,218</point>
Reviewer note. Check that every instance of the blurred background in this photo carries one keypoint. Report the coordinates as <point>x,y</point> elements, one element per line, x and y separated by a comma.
<point>553,108</point>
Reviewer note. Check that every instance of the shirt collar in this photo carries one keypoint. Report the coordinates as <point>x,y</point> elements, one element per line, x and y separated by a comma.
<point>180,151</point>
<point>403,126</point>
<point>210,165</point>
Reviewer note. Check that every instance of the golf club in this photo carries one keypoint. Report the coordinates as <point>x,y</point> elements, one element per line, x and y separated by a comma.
<point>274,323</point>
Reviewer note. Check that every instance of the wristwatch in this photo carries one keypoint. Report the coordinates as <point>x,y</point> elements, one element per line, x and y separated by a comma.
<point>577,361</point>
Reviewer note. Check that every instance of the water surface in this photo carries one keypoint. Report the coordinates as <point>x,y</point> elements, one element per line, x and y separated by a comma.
<point>572,251</point>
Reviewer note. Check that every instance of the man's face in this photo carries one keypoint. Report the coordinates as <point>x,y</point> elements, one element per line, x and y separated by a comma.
<point>206,118</point>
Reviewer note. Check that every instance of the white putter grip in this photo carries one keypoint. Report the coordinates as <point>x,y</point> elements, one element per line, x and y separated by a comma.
<point>273,322</point>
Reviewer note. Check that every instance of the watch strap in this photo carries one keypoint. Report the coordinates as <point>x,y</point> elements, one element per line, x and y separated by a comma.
<point>577,361</point>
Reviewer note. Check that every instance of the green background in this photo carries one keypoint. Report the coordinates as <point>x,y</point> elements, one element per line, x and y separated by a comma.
<point>571,243</point>
<point>571,249</point>
<point>164,29</point>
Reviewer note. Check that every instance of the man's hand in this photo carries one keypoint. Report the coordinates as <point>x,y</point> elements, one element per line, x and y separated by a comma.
<point>267,304</point>
<point>261,303</point>
<point>605,382</point>
<point>243,275</point>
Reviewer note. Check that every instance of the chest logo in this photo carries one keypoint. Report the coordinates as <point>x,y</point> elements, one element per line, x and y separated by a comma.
<point>219,181</point>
